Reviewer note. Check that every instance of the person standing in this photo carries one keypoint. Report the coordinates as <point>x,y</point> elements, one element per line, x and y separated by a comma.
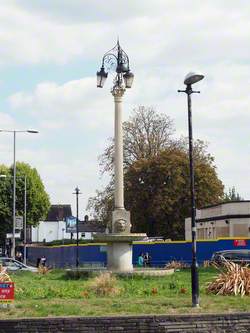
<point>38,260</point>
<point>147,260</point>
<point>140,261</point>
<point>43,261</point>
<point>19,256</point>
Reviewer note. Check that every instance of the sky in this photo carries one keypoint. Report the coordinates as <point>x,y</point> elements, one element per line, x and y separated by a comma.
<point>50,51</point>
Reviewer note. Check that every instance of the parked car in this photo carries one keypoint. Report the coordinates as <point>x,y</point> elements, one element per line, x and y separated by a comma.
<point>236,256</point>
<point>14,265</point>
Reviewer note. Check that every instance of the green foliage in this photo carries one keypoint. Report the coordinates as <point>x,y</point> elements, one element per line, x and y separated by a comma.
<point>156,169</point>
<point>53,295</point>
<point>78,274</point>
<point>37,199</point>
<point>157,191</point>
<point>232,195</point>
<point>105,284</point>
<point>5,201</point>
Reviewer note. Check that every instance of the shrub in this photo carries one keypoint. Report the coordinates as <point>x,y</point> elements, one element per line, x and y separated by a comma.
<point>104,285</point>
<point>85,294</point>
<point>43,270</point>
<point>176,265</point>
<point>154,291</point>
<point>172,285</point>
<point>183,290</point>
<point>234,280</point>
<point>75,274</point>
<point>4,276</point>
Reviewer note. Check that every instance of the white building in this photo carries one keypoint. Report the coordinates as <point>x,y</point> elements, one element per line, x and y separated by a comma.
<point>229,219</point>
<point>48,231</point>
<point>54,227</point>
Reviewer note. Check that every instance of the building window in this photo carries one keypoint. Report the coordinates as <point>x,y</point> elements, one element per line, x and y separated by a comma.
<point>83,234</point>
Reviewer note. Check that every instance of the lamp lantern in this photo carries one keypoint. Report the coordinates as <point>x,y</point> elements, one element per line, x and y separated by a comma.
<point>128,79</point>
<point>101,77</point>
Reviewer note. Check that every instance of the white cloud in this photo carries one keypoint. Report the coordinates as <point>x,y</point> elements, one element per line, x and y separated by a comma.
<point>164,40</point>
<point>56,106</point>
<point>30,38</point>
<point>74,119</point>
<point>165,32</point>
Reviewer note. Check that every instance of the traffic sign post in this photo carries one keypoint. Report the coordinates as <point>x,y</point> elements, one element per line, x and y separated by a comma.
<point>19,222</point>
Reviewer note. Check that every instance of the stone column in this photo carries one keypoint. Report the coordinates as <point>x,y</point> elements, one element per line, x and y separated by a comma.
<point>121,217</point>
<point>119,186</point>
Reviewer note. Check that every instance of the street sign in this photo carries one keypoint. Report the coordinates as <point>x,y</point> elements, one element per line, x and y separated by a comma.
<point>19,222</point>
<point>240,242</point>
<point>6,292</point>
<point>17,235</point>
<point>70,224</point>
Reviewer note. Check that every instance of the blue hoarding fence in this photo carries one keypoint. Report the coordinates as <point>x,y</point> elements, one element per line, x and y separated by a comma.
<point>160,252</point>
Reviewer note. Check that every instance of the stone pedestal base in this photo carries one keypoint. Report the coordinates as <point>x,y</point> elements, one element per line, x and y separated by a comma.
<point>119,254</point>
<point>119,257</point>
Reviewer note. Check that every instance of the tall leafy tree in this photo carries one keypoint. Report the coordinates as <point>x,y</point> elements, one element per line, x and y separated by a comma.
<point>145,134</point>
<point>156,169</point>
<point>232,195</point>
<point>158,192</point>
<point>5,202</point>
<point>37,199</point>
<point>102,205</point>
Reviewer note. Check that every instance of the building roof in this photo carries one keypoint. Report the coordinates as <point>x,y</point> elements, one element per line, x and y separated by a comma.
<point>224,203</point>
<point>59,212</point>
<point>92,226</point>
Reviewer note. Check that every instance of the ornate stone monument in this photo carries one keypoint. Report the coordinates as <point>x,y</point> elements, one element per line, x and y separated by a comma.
<point>119,254</point>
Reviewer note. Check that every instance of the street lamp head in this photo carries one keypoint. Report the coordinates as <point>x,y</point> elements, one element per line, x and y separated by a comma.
<point>32,131</point>
<point>122,67</point>
<point>101,77</point>
<point>115,60</point>
<point>192,78</point>
<point>128,79</point>
<point>3,176</point>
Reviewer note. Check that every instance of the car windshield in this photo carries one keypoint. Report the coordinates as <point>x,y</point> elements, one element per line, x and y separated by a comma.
<point>240,256</point>
<point>233,255</point>
<point>10,263</point>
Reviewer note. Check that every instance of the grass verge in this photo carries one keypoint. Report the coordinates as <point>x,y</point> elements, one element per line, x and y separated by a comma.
<point>54,295</point>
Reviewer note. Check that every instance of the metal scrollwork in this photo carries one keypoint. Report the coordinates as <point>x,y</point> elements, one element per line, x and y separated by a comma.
<point>116,60</point>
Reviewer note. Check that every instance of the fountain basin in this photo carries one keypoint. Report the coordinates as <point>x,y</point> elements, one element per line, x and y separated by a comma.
<point>118,237</point>
<point>119,250</point>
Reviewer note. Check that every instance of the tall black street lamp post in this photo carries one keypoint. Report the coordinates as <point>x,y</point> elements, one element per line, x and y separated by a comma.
<point>77,192</point>
<point>190,79</point>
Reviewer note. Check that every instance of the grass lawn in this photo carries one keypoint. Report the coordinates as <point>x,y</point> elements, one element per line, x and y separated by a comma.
<point>54,295</point>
